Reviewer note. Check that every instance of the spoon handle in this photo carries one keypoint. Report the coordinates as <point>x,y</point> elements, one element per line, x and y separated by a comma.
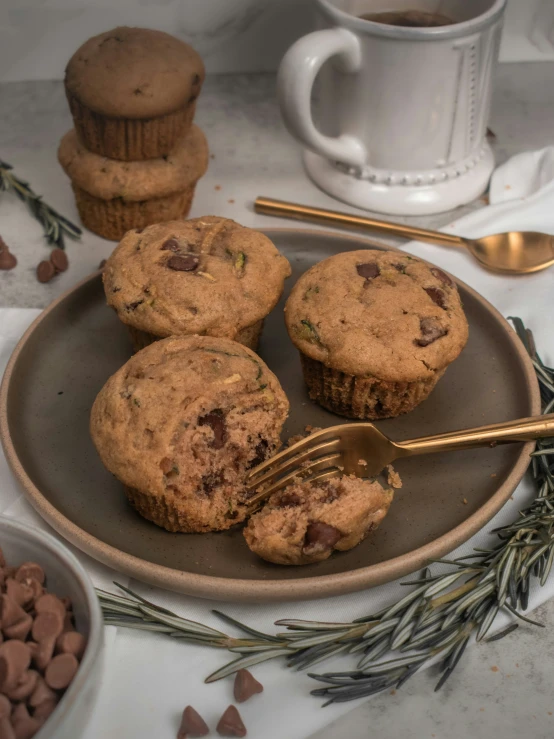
<point>523,429</point>
<point>280,208</point>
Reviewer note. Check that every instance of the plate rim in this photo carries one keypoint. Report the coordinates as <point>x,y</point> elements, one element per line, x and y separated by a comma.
<point>213,587</point>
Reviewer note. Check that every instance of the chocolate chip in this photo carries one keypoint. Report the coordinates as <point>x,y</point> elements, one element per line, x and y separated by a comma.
<point>25,686</point>
<point>17,592</point>
<point>192,98</point>
<point>45,271</point>
<point>230,724</point>
<point>287,500</point>
<point>61,671</point>
<point>47,625</point>
<point>260,450</point>
<point>44,709</point>
<point>431,330</point>
<point>7,259</point>
<point>42,652</point>
<point>216,421</point>
<point>192,724</point>
<point>134,305</point>
<point>5,706</point>
<point>320,536</point>
<point>15,658</point>
<point>102,264</point>
<point>6,729</point>
<point>59,259</point>
<point>26,728</point>
<point>211,481</point>
<point>171,245</point>
<point>10,611</point>
<point>437,296</point>
<point>50,603</point>
<point>196,79</point>
<point>30,570</point>
<point>442,276</point>
<point>72,642</point>
<point>41,694</point>
<point>20,629</point>
<point>399,267</point>
<point>246,686</point>
<point>187,263</point>
<point>369,270</point>
<point>166,465</point>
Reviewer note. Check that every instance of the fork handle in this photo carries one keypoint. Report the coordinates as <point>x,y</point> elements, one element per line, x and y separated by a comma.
<point>523,429</point>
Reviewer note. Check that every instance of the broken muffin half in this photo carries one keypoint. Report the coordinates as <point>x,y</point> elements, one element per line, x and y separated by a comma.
<point>307,521</point>
<point>182,422</point>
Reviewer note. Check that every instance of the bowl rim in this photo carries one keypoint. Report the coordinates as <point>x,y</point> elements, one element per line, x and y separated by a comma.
<point>95,640</point>
<point>258,590</point>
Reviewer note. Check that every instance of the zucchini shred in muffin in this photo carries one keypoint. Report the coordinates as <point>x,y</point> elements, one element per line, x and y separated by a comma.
<point>207,276</point>
<point>376,330</point>
<point>307,521</point>
<point>181,423</point>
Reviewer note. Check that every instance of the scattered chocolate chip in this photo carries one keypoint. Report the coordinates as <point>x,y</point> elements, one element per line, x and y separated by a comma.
<point>431,330</point>
<point>61,671</point>
<point>370,270</point>
<point>192,724</point>
<point>59,259</point>
<point>246,686</point>
<point>187,263</point>
<point>442,276</point>
<point>216,421</point>
<point>437,296</point>
<point>134,305</point>
<point>230,724</point>
<point>171,245</point>
<point>45,271</point>
<point>399,267</point>
<point>7,259</point>
<point>30,570</point>
<point>166,465</point>
<point>320,536</point>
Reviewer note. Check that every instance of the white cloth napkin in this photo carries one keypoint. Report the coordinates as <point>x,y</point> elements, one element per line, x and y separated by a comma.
<point>149,679</point>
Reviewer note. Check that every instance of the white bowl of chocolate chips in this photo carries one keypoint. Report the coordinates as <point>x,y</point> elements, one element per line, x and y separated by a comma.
<point>51,637</point>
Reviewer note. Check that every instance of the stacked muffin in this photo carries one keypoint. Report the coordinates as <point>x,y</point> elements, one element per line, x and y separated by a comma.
<point>134,156</point>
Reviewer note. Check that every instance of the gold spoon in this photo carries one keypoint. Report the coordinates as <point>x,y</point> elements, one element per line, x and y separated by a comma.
<point>515,252</point>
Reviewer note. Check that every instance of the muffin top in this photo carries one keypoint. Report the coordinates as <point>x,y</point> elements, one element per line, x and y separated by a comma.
<point>160,406</point>
<point>134,73</point>
<point>207,275</point>
<point>378,313</point>
<point>135,181</point>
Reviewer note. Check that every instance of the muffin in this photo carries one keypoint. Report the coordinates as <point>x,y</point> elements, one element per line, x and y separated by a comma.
<point>181,423</point>
<point>114,197</point>
<point>207,276</point>
<point>307,521</point>
<point>375,330</point>
<point>132,92</point>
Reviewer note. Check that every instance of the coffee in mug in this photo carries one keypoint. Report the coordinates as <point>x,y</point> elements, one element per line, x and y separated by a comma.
<point>409,18</point>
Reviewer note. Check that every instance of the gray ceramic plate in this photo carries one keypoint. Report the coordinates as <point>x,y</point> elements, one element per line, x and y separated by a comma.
<point>68,353</point>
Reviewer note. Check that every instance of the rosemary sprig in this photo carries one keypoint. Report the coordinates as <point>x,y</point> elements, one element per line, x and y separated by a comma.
<point>54,224</point>
<point>434,621</point>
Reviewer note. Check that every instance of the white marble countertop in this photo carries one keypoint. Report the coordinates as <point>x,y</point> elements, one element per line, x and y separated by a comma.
<point>500,689</point>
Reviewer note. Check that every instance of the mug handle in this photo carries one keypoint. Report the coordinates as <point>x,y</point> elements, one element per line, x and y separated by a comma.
<point>295,80</point>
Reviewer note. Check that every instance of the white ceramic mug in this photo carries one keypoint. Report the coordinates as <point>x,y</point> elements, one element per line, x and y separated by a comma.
<point>402,111</point>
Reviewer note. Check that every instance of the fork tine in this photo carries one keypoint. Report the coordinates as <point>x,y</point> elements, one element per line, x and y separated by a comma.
<point>310,441</point>
<point>295,462</point>
<point>325,475</point>
<point>323,464</point>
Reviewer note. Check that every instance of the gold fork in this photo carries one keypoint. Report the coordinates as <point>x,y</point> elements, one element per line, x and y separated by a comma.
<point>361,449</point>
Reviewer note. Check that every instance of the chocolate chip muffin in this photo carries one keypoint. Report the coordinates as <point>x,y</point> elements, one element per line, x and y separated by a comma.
<point>376,330</point>
<point>180,424</point>
<point>307,521</point>
<point>114,197</point>
<point>132,92</point>
<point>207,276</point>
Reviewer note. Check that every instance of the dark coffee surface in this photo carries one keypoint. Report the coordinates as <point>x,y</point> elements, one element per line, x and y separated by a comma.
<point>409,18</point>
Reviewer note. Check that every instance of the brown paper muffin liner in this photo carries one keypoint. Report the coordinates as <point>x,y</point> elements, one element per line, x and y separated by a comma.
<point>362,397</point>
<point>130,139</point>
<point>111,219</point>
<point>248,336</point>
<point>162,511</point>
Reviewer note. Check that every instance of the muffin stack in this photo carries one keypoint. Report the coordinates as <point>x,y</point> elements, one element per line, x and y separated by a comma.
<point>134,156</point>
